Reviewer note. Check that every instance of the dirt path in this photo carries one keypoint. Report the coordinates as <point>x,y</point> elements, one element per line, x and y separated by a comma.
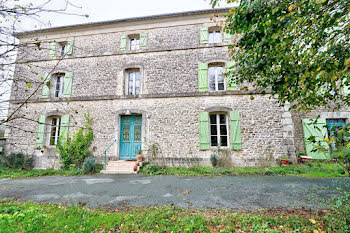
<point>196,192</point>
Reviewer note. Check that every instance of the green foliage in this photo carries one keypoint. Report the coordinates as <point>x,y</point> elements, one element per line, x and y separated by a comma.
<point>298,50</point>
<point>30,217</point>
<point>307,170</point>
<point>75,150</point>
<point>90,166</point>
<point>339,219</point>
<point>16,161</point>
<point>213,160</point>
<point>17,173</point>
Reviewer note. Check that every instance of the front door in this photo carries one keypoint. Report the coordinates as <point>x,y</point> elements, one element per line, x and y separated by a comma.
<point>130,137</point>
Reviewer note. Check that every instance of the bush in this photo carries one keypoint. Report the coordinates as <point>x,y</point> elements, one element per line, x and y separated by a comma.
<point>16,161</point>
<point>213,160</point>
<point>151,169</point>
<point>90,166</point>
<point>75,150</point>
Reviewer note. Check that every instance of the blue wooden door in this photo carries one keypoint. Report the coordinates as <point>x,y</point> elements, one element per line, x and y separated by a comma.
<point>130,137</point>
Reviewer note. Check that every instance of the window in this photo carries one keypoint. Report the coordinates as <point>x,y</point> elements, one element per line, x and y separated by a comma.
<point>58,85</point>
<point>54,130</point>
<point>133,82</point>
<point>214,36</point>
<point>216,78</point>
<point>218,130</point>
<point>63,49</point>
<point>134,42</point>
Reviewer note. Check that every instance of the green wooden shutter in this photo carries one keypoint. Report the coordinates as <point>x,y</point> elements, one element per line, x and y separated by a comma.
<point>64,127</point>
<point>46,86</point>
<point>227,37</point>
<point>204,142</point>
<point>203,77</point>
<point>319,131</point>
<point>346,88</point>
<point>231,79</point>
<point>52,52</point>
<point>41,132</point>
<point>123,42</point>
<point>235,131</point>
<point>70,47</point>
<point>68,80</point>
<point>204,35</point>
<point>143,40</point>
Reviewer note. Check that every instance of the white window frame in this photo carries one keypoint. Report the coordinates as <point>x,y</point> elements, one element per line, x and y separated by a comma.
<point>216,77</point>
<point>134,43</point>
<point>50,128</point>
<point>63,49</point>
<point>128,74</point>
<point>216,36</point>
<point>58,89</point>
<point>218,136</point>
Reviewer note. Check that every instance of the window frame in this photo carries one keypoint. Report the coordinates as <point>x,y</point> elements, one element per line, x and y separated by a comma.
<point>63,49</point>
<point>50,127</point>
<point>218,130</point>
<point>215,31</point>
<point>128,72</point>
<point>58,91</point>
<point>216,66</point>
<point>132,38</point>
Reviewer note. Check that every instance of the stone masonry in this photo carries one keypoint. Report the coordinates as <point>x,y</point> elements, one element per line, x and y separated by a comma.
<point>169,100</point>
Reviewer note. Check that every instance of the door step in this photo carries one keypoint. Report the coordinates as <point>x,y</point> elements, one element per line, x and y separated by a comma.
<point>121,167</point>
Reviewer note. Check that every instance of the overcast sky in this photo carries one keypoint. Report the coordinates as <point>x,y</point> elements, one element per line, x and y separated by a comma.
<point>100,10</point>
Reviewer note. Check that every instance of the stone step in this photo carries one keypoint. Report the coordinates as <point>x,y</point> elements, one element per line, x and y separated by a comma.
<point>118,172</point>
<point>121,167</point>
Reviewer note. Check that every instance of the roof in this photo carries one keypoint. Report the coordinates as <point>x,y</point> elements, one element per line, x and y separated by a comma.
<point>126,20</point>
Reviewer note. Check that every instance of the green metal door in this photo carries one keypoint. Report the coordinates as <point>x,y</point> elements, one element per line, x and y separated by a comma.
<point>130,137</point>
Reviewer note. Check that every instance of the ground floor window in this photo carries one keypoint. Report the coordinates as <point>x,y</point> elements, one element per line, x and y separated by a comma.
<point>54,130</point>
<point>218,130</point>
<point>333,126</point>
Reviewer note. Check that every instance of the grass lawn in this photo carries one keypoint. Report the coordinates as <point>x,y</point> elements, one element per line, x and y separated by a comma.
<point>308,170</point>
<point>30,217</point>
<point>17,173</point>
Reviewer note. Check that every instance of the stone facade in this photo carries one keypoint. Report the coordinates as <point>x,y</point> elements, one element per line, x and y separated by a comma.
<point>169,99</point>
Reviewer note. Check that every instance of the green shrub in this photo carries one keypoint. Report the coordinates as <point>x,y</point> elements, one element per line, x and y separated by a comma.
<point>90,166</point>
<point>150,169</point>
<point>75,150</point>
<point>213,160</point>
<point>16,161</point>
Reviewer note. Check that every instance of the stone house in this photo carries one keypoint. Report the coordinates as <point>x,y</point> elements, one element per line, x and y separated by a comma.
<point>151,84</point>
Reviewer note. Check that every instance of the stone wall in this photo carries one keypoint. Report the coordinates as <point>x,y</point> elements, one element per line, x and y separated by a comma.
<point>173,123</point>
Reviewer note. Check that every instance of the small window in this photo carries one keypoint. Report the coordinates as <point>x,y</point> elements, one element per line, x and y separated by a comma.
<point>216,77</point>
<point>134,42</point>
<point>54,130</point>
<point>335,125</point>
<point>218,130</point>
<point>63,49</point>
<point>214,35</point>
<point>58,85</point>
<point>133,82</point>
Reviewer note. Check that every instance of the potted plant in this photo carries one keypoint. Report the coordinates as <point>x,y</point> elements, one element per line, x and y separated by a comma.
<point>284,161</point>
<point>139,156</point>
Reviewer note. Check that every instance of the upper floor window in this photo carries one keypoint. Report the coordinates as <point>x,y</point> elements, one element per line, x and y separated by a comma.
<point>218,129</point>
<point>216,77</point>
<point>214,35</point>
<point>134,42</point>
<point>54,129</point>
<point>133,81</point>
<point>58,84</point>
<point>61,49</point>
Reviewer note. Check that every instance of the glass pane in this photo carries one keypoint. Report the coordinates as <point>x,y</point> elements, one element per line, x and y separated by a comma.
<point>211,37</point>
<point>221,86</point>
<point>137,133</point>
<point>138,118</point>
<point>223,140</point>
<point>222,119</point>
<point>223,130</point>
<point>214,140</point>
<point>213,130</point>
<point>126,132</point>
<point>218,37</point>
<point>126,119</point>
<point>213,119</point>
<point>211,73</point>
<point>131,84</point>
<point>58,84</point>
